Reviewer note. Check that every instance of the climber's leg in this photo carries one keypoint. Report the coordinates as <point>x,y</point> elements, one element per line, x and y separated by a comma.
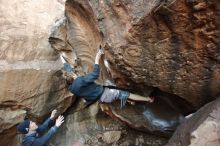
<point>136,97</point>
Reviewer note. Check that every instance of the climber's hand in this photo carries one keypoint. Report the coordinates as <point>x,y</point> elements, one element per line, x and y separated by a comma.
<point>52,116</point>
<point>101,49</point>
<point>59,121</point>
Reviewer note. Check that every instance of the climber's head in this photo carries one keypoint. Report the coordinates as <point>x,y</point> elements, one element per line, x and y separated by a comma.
<point>68,73</point>
<point>33,126</point>
<point>26,126</point>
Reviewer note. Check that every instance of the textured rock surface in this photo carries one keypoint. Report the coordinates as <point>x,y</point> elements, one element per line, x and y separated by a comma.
<point>172,45</point>
<point>93,127</point>
<point>30,79</point>
<point>175,48</point>
<point>111,137</point>
<point>202,129</point>
<point>157,118</point>
<point>29,68</point>
<point>10,137</point>
<point>146,45</point>
<point>9,118</point>
<point>77,36</point>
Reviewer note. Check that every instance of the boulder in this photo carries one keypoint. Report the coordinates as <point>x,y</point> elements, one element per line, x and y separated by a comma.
<point>111,137</point>
<point>9,118</point>
<point>168,45</point>
<point>31,83</point>
<point>90,126</point>
<point>156,118</point>
<point>201,129</point>
<point>172,45</point>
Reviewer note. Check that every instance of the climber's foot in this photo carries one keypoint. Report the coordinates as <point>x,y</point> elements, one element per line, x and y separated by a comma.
<point>131,102</point>
<point>151,99</point>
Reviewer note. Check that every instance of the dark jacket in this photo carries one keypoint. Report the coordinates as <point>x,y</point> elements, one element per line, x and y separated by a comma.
<point>39,136</point>
<point>84,86</point>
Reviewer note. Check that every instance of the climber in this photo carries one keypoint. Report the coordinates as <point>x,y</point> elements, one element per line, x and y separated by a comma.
<point>35,135</point>
<point>84,86</point>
